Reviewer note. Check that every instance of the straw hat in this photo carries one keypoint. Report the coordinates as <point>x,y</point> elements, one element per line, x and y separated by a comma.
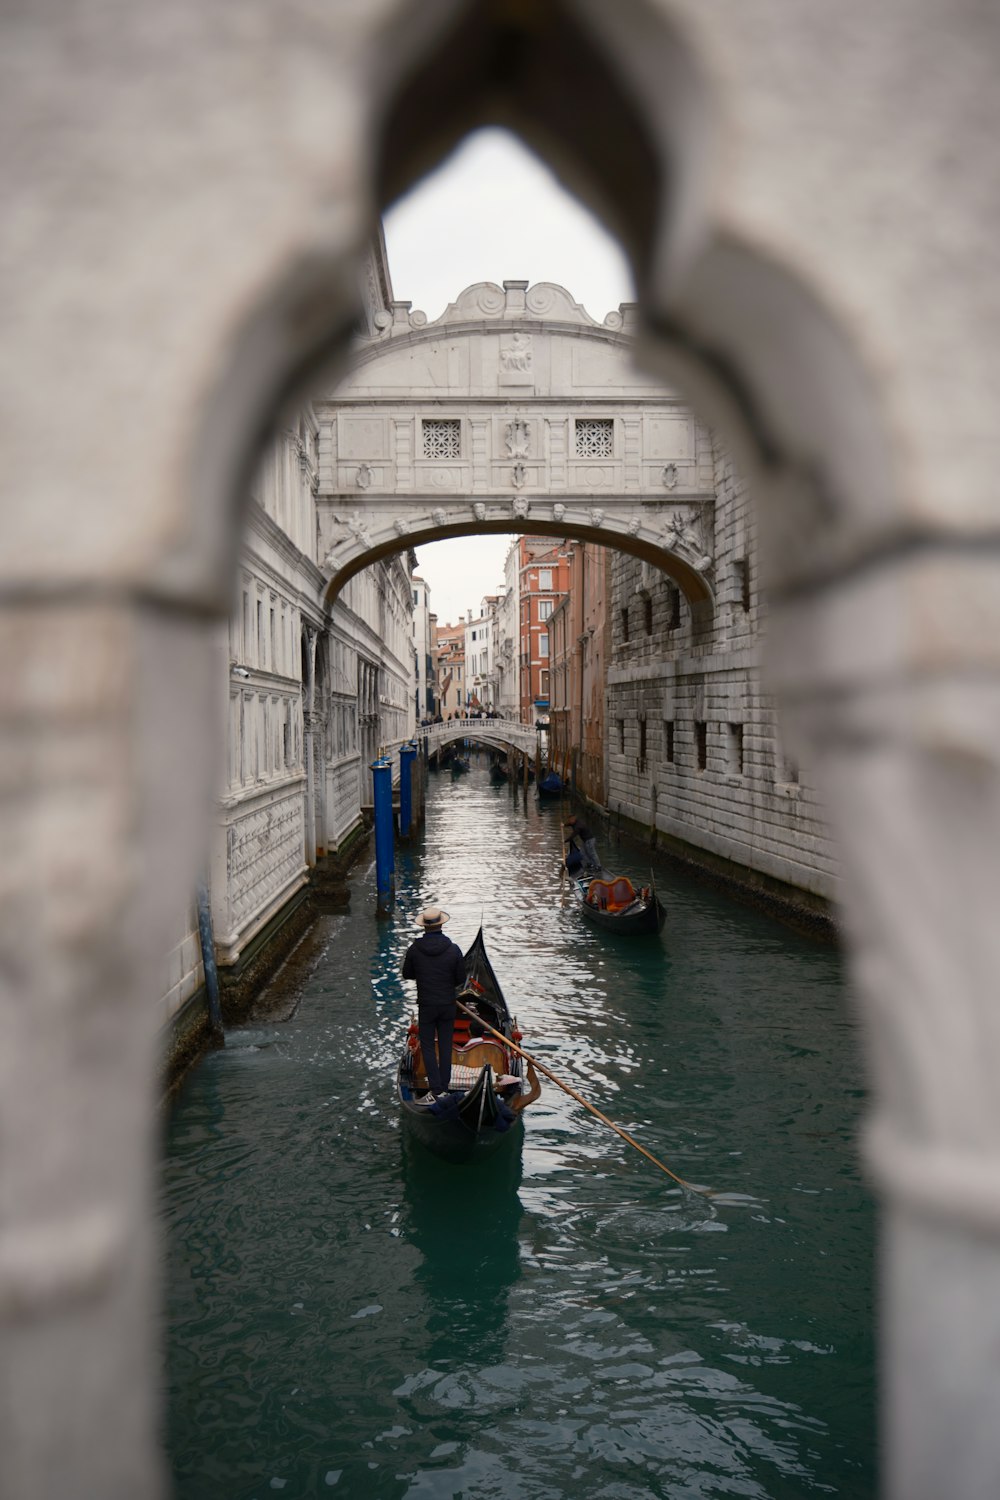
<point>432,918</point>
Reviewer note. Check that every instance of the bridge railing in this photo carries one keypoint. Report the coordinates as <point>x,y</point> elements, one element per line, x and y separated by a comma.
<point>490,731</point>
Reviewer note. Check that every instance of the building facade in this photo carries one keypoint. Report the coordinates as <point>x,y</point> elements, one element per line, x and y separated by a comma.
<point>450,657</point>
<point>424,665</point>
<point>543,581</point>
<point>581,649</point>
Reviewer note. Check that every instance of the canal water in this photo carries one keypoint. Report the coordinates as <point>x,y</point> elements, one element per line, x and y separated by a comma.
<point>348,1316</point>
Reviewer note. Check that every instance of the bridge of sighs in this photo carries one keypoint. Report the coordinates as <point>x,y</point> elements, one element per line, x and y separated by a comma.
<point>515,411</point>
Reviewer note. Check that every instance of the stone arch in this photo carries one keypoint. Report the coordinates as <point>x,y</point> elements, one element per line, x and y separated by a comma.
<point>774,325</point>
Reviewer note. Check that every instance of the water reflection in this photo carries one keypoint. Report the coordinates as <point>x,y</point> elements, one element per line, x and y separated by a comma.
<point>464,1221</point>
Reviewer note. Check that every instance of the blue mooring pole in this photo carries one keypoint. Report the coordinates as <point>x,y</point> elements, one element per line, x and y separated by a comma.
<point>384,858</point>
<point>407,754</point>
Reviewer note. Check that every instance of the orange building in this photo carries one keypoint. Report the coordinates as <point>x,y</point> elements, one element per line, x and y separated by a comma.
<point>543,581</point>
<point>580,648</point>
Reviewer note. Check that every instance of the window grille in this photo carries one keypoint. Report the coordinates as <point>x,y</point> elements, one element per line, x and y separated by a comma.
<point>442,437</point>
<point>595,437</point>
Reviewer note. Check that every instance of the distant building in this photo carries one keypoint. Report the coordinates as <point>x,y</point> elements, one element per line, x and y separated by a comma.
<point>507,649</point>
<point>580,649</point>
<point>543,582</point>
<point>425,685</point>
<point>480,660</point>
<point>450,655</point>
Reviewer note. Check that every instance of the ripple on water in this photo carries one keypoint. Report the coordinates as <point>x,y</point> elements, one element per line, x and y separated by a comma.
<point>347,1315</point>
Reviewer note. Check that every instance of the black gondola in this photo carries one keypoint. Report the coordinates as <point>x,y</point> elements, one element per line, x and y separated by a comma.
<point>459,766</point>
<point>612,903</point>
<point>498,773</point>
<point>551,786</point>
<point>482,1111</point>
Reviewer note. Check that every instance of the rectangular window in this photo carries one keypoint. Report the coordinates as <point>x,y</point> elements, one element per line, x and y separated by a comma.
<point>668,740</point>
<point>742,567</point>
<point>642,745</point>
<point>543,682</point>
<point>648,616</point>
<point>442,437</point>
<point>621,736</point>
<point>595,437</point>
<point>544,609</point>
<point>545,579</point>
<point>673,607</point>
<point>734,749</point>
<point>543,643</point>
<point>624,618</point>
<point>701,743</point>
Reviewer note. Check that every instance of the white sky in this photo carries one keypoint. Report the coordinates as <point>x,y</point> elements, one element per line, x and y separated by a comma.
<point>493,212</point>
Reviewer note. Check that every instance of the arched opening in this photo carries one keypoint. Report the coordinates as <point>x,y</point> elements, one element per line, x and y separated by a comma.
<point>764,348</point>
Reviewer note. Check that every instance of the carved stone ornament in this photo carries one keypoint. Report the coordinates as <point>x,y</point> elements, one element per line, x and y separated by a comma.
<point>683,534</point>
<point>479,511</point>
<point>633,526</point>
<point>516,437</point>
<point>518,475</point>
<point>520,505</point>
<point>517,354</point>
<point>558,511</point>
<point>358,528</point>
<point>597,518</point>
<point>669,477</point>
<point>402,527</point>
<point>438,517</point>
<point>364,477</point>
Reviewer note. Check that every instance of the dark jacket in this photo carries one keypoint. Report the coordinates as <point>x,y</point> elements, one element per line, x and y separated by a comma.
<point>438,966</point>
<point>579,831</point>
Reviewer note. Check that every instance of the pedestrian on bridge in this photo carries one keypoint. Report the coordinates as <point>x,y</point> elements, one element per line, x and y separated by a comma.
<point>438,966</point>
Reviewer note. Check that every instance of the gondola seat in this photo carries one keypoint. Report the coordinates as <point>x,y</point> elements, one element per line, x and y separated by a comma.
<point>611,895</point>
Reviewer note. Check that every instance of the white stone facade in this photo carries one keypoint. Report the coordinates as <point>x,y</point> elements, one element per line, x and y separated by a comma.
<point>817,262</point>
<point>424,670</point>
<point>692,741</point>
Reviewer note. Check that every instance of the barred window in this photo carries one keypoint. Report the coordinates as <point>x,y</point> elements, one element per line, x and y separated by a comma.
<point>595,437</point>
<point>442,437</point>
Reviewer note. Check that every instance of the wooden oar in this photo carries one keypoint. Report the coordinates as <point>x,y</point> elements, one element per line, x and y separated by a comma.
<point>541,1068</point>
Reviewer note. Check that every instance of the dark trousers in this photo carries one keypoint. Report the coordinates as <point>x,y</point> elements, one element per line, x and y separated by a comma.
<point>437,1024</point>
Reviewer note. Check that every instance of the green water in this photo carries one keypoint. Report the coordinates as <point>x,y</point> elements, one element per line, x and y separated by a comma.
<point>349,1317</point>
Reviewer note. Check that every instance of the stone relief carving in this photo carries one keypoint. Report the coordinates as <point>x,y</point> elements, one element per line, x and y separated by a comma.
<point>597,517</point>
<point>558,511</point>
<point>684,534</point>
<point>516,437</point>
<point>517,354</point>
<point>519,475</point>
<point>402,527</point>
<point>520,507</point>
<point>633,526</point>
<point>438,517</point>
<point>359,530</point>
<point>479,511</point>
<point>669,477</point>
<point>364,477</point>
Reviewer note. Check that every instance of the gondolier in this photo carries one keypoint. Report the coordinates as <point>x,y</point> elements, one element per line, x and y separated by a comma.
<point>578,835</point>
<point>438,966</point>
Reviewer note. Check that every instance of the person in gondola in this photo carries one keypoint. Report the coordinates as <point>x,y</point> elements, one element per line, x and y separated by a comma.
<point>574,860</point>
<point>438,967</point>
<point>579,836</point>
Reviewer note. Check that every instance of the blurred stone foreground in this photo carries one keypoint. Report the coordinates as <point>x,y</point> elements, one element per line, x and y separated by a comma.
<point>809,196</point>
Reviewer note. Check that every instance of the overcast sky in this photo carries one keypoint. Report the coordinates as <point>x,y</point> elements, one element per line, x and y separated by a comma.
<point>493,212</point>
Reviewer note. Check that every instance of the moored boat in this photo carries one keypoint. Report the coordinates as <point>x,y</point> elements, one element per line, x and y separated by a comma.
<point>459,765</point>
<point>550,786</point>
<point>612,903</point>
<point>488,1088</point>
